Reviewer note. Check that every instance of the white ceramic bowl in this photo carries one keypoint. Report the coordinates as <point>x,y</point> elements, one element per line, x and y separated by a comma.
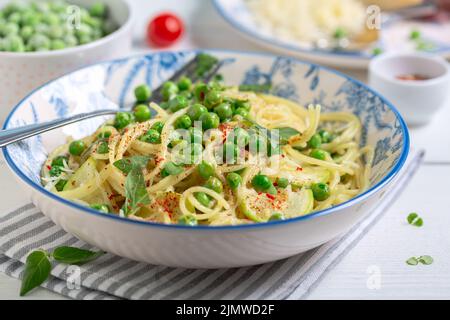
<point>22,72</point>
<point>203,246</point>
<point>417,101</point>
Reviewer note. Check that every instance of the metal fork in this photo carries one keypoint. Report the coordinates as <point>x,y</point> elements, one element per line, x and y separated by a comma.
<point>16,134</point>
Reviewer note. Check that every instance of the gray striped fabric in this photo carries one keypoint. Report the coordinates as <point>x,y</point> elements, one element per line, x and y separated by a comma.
<point>113,277</point>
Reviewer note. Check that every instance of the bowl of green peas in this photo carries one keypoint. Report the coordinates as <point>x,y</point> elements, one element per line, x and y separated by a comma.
<point>43,39</point>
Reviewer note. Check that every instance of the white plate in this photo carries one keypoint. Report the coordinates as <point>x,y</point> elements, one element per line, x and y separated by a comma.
<point>394,37</point>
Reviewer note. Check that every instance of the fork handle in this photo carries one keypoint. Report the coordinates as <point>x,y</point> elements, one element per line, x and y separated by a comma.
<point>9,136</point>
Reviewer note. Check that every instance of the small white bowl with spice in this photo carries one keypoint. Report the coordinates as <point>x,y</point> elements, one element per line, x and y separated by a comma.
<point>418,84</point>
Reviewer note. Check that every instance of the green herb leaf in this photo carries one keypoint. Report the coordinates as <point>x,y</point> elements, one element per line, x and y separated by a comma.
<point>126,164</point>
<point>414,219</point>
<point>37,270</point>
<point>286,133</point>
<point>71,255</point>
<point>136,194</point>
<point>426,260</point>
<point>412,261</point>
<point>123,165</point>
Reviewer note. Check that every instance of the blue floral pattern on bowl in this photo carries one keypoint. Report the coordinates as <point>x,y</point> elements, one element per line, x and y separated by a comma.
<point>110,85</point>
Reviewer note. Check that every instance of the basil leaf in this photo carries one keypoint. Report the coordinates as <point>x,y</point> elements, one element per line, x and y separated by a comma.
<point>286,133</point>
<point>37,270</point>
<point>412,261</point>
<point>123,165</point>
<point>426,260</point>
<point>135,191</point>
<point>71,255</point>
<point>414,219</point>
<point>126,164</point>
<point>411,217</point>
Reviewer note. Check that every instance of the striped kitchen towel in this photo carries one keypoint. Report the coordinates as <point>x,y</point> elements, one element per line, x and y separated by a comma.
<point>113,277</point>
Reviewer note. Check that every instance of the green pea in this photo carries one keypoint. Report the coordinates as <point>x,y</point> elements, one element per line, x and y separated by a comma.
<point>142,93</point>
<point>245,104</point>
<point>59,186</point>
<point>241,112</point>
<point>103,148</point>
<point>172,169</point>
<point>158,126</point>
<point>230,152</point>
<point>377,51</point>
<point>169,90</point>
<point>42,29</point>
<point>340,33</point>
<point>277,216</point>
<point>104,134</point>
<point>196,135</point>
<point>415,34</point>
<point>55,171</point>
<point>203,198</point>
<point>184,84</point>
<point>318,154</point>
<point>59,161</point>
<point>98,9</point>
<point>187,220</point>
<point>39,42</point>
<point>26,32</point>
<point>282,182</point>
<point>234,180</point>
<point>55,32</point>
<point>214,184</point>
<point>209,120</point>
<point>213,98</point>
<point>315,141</point>
<point>77,147</point>
<point>177,103</point>
<point>51,19</point>
<point>196,110</point>
<point>57,45</point>
<point>183,122</point>
<point>241,137</point>
<point>142,113</point>
<point>83,30</point>
<point>30,18</point>
<point>84,39</point>
<point>200,91</point>
<point>14,43</point>
<point>100,207</point>
<point>272,190</point>
<point>206,169</point>
<point>10,29</point>
<point>122,120</point>
<point>70,40</point>
<point>151,136</point>
<point>224,111</point>
<point>325,136</point>
<point>321,191</point>
<point>261,182</point>
<point>187,94</point>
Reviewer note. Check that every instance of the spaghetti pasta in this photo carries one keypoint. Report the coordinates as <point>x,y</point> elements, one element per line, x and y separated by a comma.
<point>319,164</point>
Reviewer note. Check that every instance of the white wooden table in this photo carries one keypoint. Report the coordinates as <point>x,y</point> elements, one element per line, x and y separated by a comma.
<point>386,246</point>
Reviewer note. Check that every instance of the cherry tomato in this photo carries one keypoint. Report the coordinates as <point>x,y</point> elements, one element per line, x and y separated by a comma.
<point>164,30</point>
